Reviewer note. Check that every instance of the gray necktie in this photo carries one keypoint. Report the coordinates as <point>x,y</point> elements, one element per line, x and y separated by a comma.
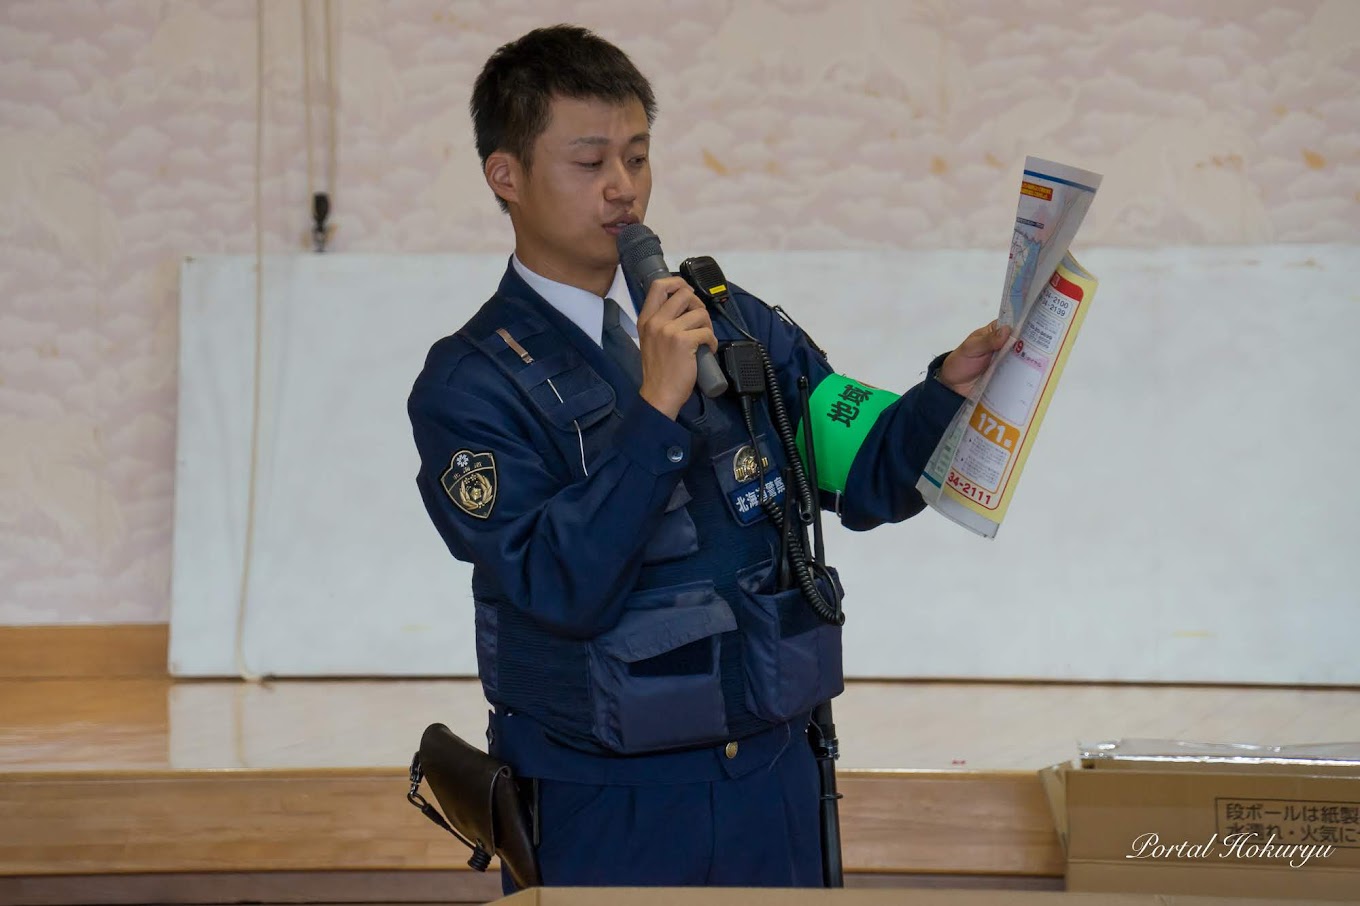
<point>618,345</point>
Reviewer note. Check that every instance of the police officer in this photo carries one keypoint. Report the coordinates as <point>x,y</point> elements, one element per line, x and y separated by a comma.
<point>647,665</point>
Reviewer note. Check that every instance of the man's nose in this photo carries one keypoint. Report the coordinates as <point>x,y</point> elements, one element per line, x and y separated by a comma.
<point>621,188</point>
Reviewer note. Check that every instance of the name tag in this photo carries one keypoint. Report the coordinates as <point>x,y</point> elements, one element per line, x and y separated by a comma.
<point>739,477</point>
<point>746,503</point>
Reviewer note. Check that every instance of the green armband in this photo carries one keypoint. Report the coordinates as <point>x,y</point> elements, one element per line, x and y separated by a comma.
<point>843,412</point>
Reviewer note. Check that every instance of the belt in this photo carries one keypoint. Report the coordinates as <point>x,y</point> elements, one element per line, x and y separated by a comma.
<point>531,751</point>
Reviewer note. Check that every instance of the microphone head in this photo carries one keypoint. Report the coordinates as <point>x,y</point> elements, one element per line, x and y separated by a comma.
<point>636,243</point>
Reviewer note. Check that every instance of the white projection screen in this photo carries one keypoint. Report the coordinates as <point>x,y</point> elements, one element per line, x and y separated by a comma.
<point>1187,514</point>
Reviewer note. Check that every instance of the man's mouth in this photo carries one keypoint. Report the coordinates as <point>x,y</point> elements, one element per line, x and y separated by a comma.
<point>615,227</point>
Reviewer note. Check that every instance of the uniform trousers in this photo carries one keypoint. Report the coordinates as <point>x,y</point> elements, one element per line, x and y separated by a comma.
<point>759,830</point>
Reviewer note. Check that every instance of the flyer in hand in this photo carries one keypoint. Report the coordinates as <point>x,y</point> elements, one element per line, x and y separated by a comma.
<point>973,473</point>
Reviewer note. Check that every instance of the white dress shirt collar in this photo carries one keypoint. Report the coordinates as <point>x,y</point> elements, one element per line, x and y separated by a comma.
<point>584,309</point>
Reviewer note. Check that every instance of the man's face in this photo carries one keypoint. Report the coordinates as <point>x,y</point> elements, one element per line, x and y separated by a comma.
<point>589,177</point>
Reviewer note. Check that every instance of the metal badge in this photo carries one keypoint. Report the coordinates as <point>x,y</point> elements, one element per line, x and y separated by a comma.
<point>744,465</point>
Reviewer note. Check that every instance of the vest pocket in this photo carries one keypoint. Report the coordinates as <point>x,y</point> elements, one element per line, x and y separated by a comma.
<point>792,658</point>
<point>655,677</point>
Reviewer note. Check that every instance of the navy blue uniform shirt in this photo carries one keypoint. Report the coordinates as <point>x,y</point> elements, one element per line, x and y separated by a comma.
<point>565,491</point>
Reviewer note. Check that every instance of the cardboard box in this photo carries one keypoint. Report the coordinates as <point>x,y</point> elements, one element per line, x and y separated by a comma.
<point>729,896</point>
<point>1207,825</point>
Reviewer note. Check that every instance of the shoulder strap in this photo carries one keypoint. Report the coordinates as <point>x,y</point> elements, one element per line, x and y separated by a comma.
<point>532,353</point>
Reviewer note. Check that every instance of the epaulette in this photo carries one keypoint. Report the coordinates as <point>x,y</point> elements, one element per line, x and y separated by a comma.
<point>784,316</point>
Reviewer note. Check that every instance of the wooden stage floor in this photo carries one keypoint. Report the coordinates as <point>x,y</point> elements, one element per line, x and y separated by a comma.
<point>145,777</point>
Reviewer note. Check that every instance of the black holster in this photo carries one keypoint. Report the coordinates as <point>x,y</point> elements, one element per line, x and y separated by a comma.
<point>481,800</point>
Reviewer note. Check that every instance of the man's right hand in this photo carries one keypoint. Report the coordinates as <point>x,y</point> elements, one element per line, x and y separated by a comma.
<point>673,324</point>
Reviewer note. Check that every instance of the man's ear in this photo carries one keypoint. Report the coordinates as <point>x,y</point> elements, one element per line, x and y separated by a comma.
<point>504,174</point>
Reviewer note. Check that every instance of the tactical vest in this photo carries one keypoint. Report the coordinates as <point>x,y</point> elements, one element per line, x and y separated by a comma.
<point>707,649</point>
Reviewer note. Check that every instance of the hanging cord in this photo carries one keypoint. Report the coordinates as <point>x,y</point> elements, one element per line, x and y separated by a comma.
<point>307,92</point>
<point>799,556</point>
<point>248,547</point>
<point>332,101</point>
<point>321,201</point>
<point>798,489</point>
<point>480,857</point>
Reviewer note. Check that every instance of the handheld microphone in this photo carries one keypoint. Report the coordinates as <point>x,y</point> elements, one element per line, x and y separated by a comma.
<point>643,263</point>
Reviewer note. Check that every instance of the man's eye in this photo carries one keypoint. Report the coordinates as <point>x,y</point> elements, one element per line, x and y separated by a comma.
<point>639,160</point>
<point>589,164</point>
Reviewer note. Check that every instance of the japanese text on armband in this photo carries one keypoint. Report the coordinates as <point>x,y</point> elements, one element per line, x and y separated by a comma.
<point>843,412</point>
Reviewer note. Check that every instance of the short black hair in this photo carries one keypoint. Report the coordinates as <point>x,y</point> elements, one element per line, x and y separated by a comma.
<point>513,94</point>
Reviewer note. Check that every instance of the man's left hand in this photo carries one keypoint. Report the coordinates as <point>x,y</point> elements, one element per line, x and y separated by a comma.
<point>963,366</point>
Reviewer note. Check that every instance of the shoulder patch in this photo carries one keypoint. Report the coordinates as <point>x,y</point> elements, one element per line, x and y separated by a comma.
<point>470,482</point>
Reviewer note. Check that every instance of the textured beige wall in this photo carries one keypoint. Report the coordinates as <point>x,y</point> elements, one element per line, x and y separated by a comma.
<point>127,137</point>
